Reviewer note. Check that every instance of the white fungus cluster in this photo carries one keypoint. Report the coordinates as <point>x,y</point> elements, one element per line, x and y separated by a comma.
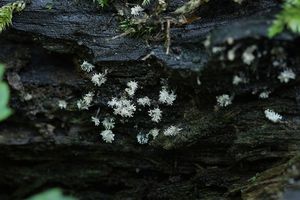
<point>272,116</point>
<point>136,10</point>
<point>62,104</point>
<point>231,53</point>
<point>169,131</point>
<point>142,138</point>
<point>248,55</point>
<point>154,132</point>
<point>238,80</point>
<point>85,102</point>
<point>95,120</point>
<point>145,101</point>
<point>216,50</point>
<point>87,67</point>
<point>108,123</point>
<point>264,95</point>
<point>99,78</point>
<point>166,97</point>
<point>107,135</point>
<point>172,131</point>
<point>132,86</point>
<point>123,107</point>
<point>286,76</point>
<point>155,114</point>
<point>224,100</point>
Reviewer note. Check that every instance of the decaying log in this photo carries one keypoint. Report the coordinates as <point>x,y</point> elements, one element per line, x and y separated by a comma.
<point>221,153</point>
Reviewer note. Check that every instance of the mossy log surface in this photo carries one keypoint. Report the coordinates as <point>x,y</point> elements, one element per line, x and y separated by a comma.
<point>221,153</point>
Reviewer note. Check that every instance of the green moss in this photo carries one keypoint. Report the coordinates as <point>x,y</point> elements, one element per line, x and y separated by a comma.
<point>102,3</point>
<point>138,28</point>
<point>6,13</point>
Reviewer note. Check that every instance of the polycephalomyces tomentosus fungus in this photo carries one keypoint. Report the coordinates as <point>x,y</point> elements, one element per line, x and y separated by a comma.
<point>124,106</point>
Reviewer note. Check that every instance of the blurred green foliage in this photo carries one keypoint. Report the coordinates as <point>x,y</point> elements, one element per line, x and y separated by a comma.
<point>5,111</point>
<point>51,194</point>
<point>288,18</point>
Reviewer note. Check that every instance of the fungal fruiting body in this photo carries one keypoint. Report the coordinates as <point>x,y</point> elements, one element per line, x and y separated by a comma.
<point>166,97</point>
<point>107,136</point>
<point>172,131</point>
<point>272,116</point>
<point>155,114</point>
<point>87,67</point>
<point>286,75</point>
<point>224,100</point>
<point>123,107</point>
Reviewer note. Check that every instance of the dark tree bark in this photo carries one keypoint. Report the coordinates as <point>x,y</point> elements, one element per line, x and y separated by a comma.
<point>221,153</point>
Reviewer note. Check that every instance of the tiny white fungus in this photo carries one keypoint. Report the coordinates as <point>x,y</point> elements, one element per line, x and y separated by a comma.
<point>224,100</point>
<point>96,121</point>
<point>136,10</point>
<point>155,114</point>
<point>272,116</point>
<point>172,131</point>
<point>87,67</point>
<point>145,101</point>
<point>286,75</point>
<point>107,136</point>
<point>62,104</point>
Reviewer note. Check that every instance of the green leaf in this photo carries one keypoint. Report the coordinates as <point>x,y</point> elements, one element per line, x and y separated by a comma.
<point>52,194</point>
<point>2,69</point>
<point>4,95</point>
<point>5,112</point>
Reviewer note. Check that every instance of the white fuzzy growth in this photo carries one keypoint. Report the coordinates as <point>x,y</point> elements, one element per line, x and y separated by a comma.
<point>99,79</point>
<point>114,102</point>
<point>273,116</point>
<point>145,101</point>
<point>248,56</point>
<point>231,53</point>
<point>154,132</point>
<point>136,10</point>
<point>286,75</point>
<point>28,97</point>
<point>155,114</point>
<point>198,81</point>
<point>108,123</point>
<point>123,107</point>
<point>88,98</point>
<point>85,103</point>
<point>81,105</point>
<point>224,100</point>
<point>107,136</point>
<point>132,87</point>
<point>142,138</point>
<point>207,41</point>
<point>216,50</point>
<point>96,121</point>
<point>238,1</point>
<point>62,104</point>
<point>87,67</point>
<point>237,80</point>
<point>264,95</point>
<point>172,131</point>
<point>166,97</point>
